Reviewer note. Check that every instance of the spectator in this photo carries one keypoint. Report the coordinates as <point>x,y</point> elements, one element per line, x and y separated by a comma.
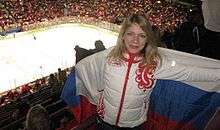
<point>37,119</point>
<point>167,39</point>
<point>61,76</point>
<point>37,85</point>
<point>81,53</point>
<point>25,89</point>
<point>99,46</point>
<point>55,86</point>
<point>186,37</point>
<point>158,35</point>
<point>53,81</point>
<point>210,46</point>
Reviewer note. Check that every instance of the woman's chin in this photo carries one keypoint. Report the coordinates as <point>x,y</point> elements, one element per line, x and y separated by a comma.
<point>134,52</point>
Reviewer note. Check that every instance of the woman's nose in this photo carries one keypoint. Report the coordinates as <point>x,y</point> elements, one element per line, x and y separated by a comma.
<point>135,38</point>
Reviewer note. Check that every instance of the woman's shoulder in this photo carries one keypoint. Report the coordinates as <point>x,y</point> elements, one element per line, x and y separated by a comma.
<point>97,58</point>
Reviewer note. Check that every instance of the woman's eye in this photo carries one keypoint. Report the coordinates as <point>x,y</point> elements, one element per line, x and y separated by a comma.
<point>143,36</point>
<point>129,34</point>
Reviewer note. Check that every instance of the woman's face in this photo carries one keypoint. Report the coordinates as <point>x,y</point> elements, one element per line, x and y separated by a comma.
<point>134,39</point>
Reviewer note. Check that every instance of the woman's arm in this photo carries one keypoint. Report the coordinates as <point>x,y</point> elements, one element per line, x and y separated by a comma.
<point>175,70</point>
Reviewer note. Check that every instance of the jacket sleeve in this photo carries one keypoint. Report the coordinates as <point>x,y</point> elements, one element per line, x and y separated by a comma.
<point>186,67</point>
<point>89,73</point>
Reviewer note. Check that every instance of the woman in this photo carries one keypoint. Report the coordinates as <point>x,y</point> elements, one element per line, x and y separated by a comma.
<point>119,81</point>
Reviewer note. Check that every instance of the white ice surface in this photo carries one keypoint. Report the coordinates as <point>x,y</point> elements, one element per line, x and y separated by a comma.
<point>24,59</point>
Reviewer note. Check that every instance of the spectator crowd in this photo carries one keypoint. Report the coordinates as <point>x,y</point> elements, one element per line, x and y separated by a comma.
<point>18,13</point>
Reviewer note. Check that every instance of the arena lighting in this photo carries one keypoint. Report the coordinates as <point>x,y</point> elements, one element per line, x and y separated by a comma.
<point>159,2</point>
<point>33,55</point>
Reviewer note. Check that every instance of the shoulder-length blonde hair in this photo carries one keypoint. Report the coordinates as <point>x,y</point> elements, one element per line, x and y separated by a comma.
<point>150,50</point>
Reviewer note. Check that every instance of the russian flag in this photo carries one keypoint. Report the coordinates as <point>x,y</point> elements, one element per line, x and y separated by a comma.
<point>78,105</point>
<point>68,94</point>
<point>179,106</point>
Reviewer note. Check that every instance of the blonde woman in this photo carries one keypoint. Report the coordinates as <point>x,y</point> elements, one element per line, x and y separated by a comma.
<point>119,80</point>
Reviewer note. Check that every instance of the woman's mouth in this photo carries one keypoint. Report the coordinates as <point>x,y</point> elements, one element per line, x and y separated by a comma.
<point>133,46</point>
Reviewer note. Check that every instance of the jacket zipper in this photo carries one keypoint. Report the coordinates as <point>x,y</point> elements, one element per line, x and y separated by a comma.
<point>124,89</point>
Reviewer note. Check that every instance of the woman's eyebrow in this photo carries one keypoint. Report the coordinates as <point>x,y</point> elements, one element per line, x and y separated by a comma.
<point>135,33</point>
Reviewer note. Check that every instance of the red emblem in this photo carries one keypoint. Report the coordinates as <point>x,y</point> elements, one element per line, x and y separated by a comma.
<point>101,107</point>
<point>145,76</point>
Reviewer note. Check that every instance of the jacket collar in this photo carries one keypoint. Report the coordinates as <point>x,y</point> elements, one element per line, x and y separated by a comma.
<point>132,57</point>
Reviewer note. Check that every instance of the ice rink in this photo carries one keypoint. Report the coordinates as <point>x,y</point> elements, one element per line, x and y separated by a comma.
<point>27,56</point>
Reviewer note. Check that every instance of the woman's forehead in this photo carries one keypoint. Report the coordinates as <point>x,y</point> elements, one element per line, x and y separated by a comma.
<point>135,28</point>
